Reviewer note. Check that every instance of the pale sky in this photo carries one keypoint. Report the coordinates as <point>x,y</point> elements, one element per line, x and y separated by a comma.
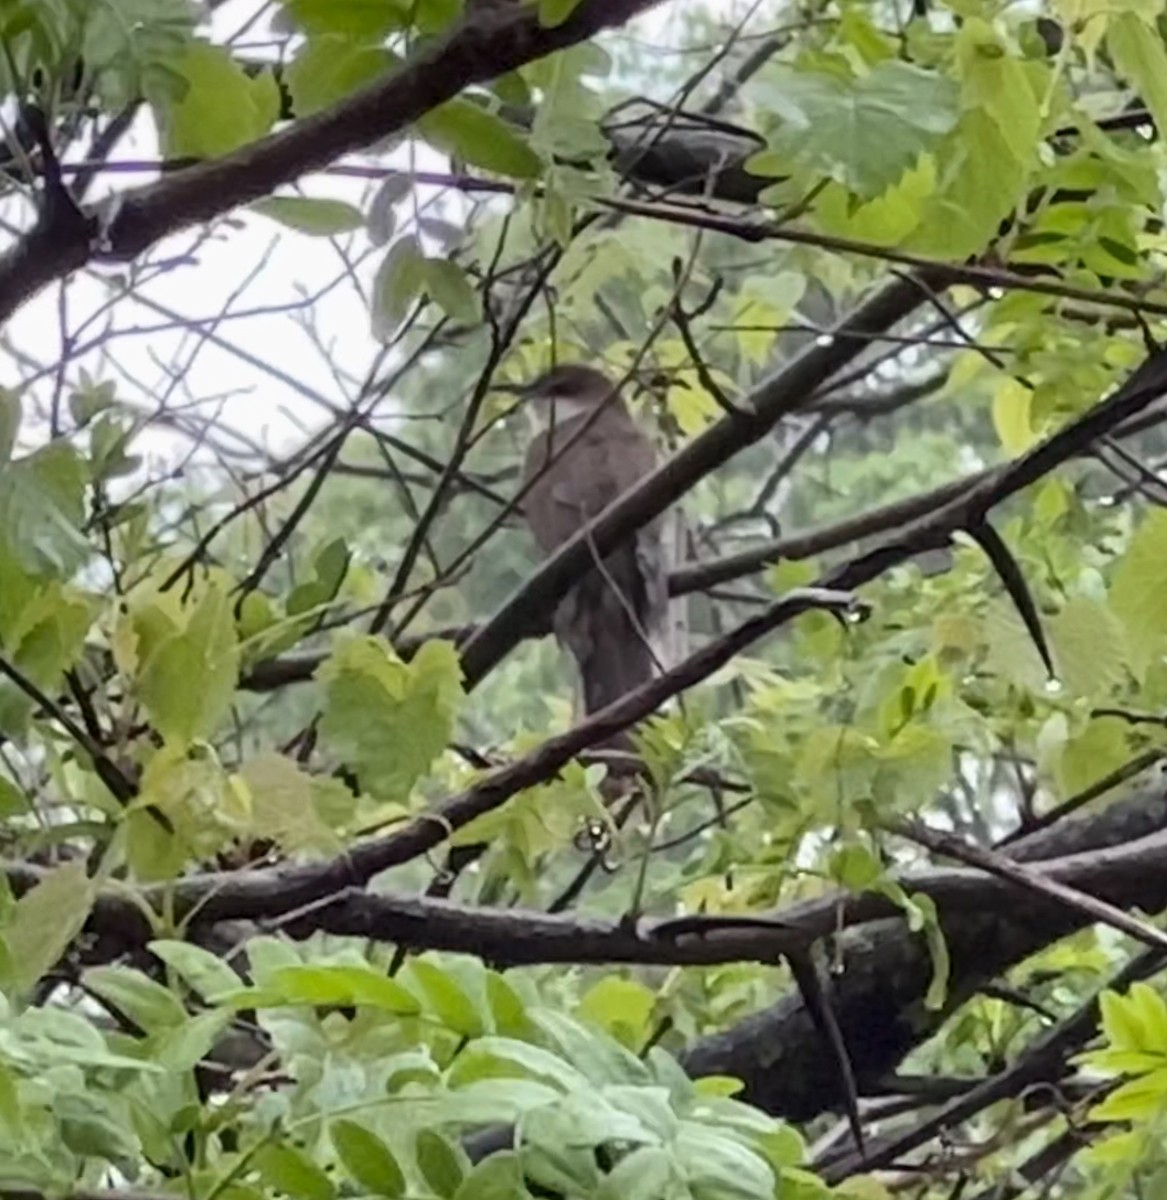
<point>266,264</point>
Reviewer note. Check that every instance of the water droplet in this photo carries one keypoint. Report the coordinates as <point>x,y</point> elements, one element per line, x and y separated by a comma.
<point>1053,686</point>
<point>825,339</point>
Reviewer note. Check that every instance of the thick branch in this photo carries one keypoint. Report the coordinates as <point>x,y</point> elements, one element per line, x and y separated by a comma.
<point>774,398</point>
<point>496,40</point>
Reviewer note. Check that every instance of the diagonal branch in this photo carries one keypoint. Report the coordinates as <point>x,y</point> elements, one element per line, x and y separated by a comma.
<point>490,43</point>
<point>776,397</point>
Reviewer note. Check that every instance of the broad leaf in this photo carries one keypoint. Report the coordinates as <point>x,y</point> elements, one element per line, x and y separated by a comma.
<point>386,719</point>
<point>314,216</point>
<point>471,133</point>
<point>863,132</point>
<point>223,107</point>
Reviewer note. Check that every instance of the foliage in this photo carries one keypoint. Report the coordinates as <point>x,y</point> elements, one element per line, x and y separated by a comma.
<point>231,673</point>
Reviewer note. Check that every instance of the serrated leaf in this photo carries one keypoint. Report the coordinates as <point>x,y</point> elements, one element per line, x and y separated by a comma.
<point>480,138</point>
<point>1137,47</point>
<point>283,804</point>
<point>188,682</point>
<point>863,132</point>
<point>223,108</point>
<point>367,1159</point>
<point>46,919</point>
<point>446,282</point>
<point>315,216</point>
<point>389,720</point>
<point>1140,581</point>
<point>1089,646</point>
<point>42,509</point>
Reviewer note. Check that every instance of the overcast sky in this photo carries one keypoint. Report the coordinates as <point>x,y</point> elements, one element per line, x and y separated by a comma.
<point>262,266</point>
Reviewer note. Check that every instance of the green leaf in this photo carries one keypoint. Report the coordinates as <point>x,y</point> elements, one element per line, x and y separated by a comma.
<point>555,12</point>
<point>367,19</point>
<point>43,636</point>
<point>188,682</point>
<point>382,218</point>
<point>1089,646</point>
<point>1140,582</point>
<point>398,283</point>
<point>283,804</point>
<point>367,1159</point>
<point>1137,47</point>
<point>45,920</point>
<point>863,132</point>
<point>10,416</point>
<point>148,1004</point>
<point>1012,404</point>
<point>338,985</point>
<point>1139,1100</point>
<point>1006,89</point>
<point>386,719</point>
<point>42,509</point>
<point>205,973</point>
<point>330,67</point>
<point>184,1047</point>
<point>498,1177</point>
<point>92,1126</point>
<point>313,216</point>
<point>205,806</point>
<point>446,282</point>
<point>644,1174</point>
<point>473,134</point>
<point>53,1037</point>
<point>223,108</point>
<point>504,1058</point>
<point>12,799</point>
<point>130,46</point>
<point>443,1164</point>
<point>447,998</point>
<point>622,1007</point>
<point>292,1172</point>
<point>709,1159</point>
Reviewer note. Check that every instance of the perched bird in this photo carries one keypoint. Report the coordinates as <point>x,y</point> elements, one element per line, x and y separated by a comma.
<point>614,619</point>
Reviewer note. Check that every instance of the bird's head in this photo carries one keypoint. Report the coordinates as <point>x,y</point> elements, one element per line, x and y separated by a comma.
<point>564,392</point>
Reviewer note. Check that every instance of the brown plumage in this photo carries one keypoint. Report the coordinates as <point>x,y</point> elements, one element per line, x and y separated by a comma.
<point>611,616</point>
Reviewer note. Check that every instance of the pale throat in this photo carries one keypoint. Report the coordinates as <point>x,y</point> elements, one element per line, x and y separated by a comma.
<point>557,410</point>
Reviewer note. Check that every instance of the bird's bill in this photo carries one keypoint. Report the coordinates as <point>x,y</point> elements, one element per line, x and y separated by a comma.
<point>515,389</point>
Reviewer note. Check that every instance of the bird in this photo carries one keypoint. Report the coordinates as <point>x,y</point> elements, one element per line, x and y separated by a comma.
<point>613,621</point>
